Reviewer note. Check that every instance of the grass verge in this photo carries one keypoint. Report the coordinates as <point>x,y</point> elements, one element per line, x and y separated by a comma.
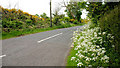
<point>71,54</point>
<point>16,33</point>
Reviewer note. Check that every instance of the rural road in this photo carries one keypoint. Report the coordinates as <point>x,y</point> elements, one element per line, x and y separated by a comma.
<point>48,48</point>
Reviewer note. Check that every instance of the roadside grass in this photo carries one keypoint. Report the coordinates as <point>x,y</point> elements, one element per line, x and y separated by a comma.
<point>17,33</point>
<point>71,54</point>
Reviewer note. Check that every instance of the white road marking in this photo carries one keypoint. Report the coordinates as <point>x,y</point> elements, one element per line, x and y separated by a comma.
<point>49,37</point>
<point>2,56</point>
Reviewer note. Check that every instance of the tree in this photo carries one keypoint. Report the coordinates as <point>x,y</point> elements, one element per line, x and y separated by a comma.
<point>44,16</point>
<point>97,9</point>
<point>74,9</point>
<point>57,17</point>
<point>37,15</point>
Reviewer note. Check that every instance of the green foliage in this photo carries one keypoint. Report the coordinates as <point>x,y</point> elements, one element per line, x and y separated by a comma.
<point>97,10</point>
<point>19,24</point>
<point>43,15</point>
<point>66,19</point>
<point>110,22</point>
<point>75,22</point>
<point>74,10</point>
<point>29,22</point>
<point>16,22</point>
<point>13,19</point>
<point>15,33</point>
<point>69,62</point>
<point>58,18</point>
<point>107,17</point>
<point>37,15</point>
<point>88,50</point>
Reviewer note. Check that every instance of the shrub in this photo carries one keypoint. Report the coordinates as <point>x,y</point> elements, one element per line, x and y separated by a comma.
<point>110,22</point>
<point>29,22</point>
<point>72,20</point>
<point>75,22</point>
<point>19,24</point>
<point>56,20</point>
<point>66,19</point>
<point>90,47</point>
<point>5,24</point>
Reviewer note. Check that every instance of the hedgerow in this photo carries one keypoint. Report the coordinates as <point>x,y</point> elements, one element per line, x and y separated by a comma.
<point>89,46</point>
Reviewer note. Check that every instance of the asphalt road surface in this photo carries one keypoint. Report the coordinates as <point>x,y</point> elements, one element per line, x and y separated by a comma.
<point>48,48</point>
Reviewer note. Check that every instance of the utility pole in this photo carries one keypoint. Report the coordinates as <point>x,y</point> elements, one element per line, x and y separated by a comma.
<point>50,14</point>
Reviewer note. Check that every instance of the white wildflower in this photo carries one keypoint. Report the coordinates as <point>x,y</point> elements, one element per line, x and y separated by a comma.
<point>106,61</point>
<point>93,54</point>
<point>112,37</point>
<point>113,45</point>
<point>109,34</point>
<point>105,57</point>
<point>76,48</point>
<point>97,46</point>
<point>93,58</point>
<point>80,64</point>
<point>79,46</point>
<point>99,33</point>
<point>103,51</point>
<point>104,33</point>
<point>87,59</point>
<point>95,35</point>
<point>103,48</point>
<point>73,58</point>
<point>86,46</point>
<point>89,65</point>
<point>98,53</point>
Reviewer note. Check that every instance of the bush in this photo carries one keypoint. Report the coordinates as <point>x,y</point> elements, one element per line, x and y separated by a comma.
<point>66,19</point>
<point>5,23</point>
<point>75,22</point>
<point>72,20</point>
<point>19,24</point>
<point>110,22</point>
<point>89,49</point>
<point>56,20</point>
<point>92,25</point>
<point>28,21</point>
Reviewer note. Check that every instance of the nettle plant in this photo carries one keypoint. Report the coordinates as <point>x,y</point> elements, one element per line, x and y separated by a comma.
<point>89,46</point>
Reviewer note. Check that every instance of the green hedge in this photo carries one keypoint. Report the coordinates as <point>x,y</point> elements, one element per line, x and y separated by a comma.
<point>110,22</point>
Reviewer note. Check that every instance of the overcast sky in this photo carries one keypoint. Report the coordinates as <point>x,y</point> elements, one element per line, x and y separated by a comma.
<point>35,6</point>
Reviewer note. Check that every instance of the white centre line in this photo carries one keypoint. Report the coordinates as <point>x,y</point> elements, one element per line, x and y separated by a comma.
<point>2,56</point>
<point>49,37</point>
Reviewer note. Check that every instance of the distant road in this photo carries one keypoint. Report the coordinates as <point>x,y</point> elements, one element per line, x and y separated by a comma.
<point>48,48</point>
